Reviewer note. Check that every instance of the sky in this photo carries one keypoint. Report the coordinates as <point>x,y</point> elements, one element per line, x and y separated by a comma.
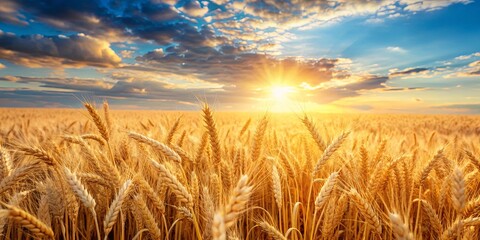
<point>380,56</point>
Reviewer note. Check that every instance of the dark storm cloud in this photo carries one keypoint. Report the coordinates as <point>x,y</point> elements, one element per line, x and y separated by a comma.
<point>51,51</point>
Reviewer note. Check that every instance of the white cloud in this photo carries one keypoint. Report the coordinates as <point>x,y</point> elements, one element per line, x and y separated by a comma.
<point>396,49</point>
<point>466,57</point>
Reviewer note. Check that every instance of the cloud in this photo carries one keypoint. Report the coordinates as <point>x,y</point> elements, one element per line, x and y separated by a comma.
<point>466,57</point>
<point>396,49</point>
<point>194,9</point>
<point>461,108</point>
<point>229,66</point>
<point>429,5</point>
<point>232,52</point>
<point>247,23</point>
<point>231,79</point>
<point>9,13</point>
<point>466,69</point>
<point>57,51</point>
<point>474,64</point>
<point>408,71</point>
<point>127,53</point>
<point>79,84</point>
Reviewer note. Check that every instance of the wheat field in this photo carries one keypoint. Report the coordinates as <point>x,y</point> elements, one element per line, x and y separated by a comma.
<point>97,173</point>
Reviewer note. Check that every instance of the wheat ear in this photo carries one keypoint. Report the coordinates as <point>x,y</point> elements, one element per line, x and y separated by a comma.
<point>115,207</point>
<point>258,138</point>
<point>172,182</point>
<point>5,163</point>
<point>332,148</point>
<point>80,191</point>
<point>102,128</point>
<point>167,151</point>
<point>28,221</point>
<point>40,154</point>
<point>458,190</point>
<point>314,133</point>
<point>366,210</point>
<point>430,166</point>
<point>277,187</point>
<point>271,231</point>
<point>326,191</point>
<point>432,215</point>
<point>399,228</point>
<point>212,132</point>
<point>172,131</point>
<point>238,201</point>
<point>219,230</point>
<point>146,217</point>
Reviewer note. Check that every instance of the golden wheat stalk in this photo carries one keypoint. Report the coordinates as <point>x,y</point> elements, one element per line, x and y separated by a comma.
<point>277,187</point>
<point>18,175</point>
<point>172,182</point>
<point>219,230</point>
<point>366,210</point>
<point>430,166</point>
<point>79,189</point>
<point>458,190</point>
<point>102,128</point>
<point>238,201</point>
<point>5,163</point>
<point>212,132</point>
<point>326,191</point>
<point>245,127</point>
<point>150,194</point>
<point>144,215</point>
<point>40,154</point>
<point>166,150</point>
<point>314,133</point>
<point>399,228</point>
<point>115,207</point>
<point>94,137</point>
<point>172,131</point>
<point>432,215</point>
<point>271,231</point>
<point>108,119</point>
<point>28,221</point>
<point>258,139</point>
<point>332,148</point>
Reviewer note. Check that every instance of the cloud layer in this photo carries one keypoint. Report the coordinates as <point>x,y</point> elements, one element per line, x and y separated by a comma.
<point>54,51</point>
<point>229,50</point>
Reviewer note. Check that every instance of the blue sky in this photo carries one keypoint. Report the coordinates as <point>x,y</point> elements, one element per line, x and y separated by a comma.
<point>332,56</point>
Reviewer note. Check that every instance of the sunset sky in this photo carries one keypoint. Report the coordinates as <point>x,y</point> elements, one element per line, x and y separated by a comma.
<point>384,56</point>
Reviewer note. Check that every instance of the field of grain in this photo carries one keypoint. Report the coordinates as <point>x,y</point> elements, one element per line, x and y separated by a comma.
<point>97,173</point>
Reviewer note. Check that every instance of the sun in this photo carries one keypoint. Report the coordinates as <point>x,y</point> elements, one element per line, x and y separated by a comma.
<point>281,92</point>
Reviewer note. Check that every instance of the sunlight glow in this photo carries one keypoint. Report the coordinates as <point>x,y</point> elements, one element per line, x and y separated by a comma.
<point>280,93</point>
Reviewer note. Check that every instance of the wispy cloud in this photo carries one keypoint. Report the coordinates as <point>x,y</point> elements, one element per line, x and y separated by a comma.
<point>396,49</point>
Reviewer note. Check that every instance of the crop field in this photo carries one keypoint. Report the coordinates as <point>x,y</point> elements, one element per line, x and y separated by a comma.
<point>100,173</point>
